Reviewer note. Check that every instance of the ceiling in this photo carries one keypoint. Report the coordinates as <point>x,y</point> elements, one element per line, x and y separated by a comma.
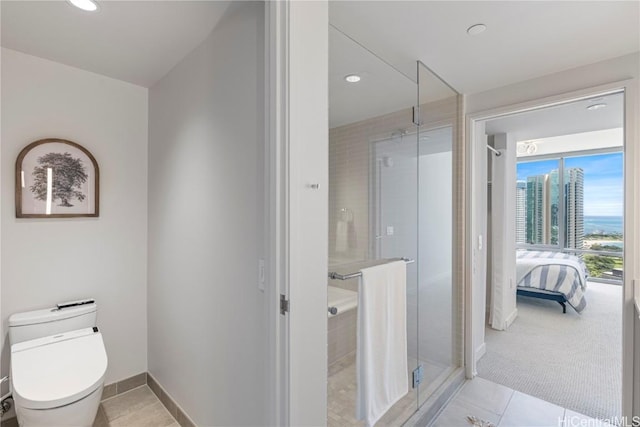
<point>567,144</point>
<point>140,41</point>
<point>381,40</point>
<point>565,128</point>
<point>565,119</point>
<point>523,40</point>
<point>134,41</point>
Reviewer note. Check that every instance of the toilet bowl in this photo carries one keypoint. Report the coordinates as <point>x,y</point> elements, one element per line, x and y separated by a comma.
<point>57,380</point>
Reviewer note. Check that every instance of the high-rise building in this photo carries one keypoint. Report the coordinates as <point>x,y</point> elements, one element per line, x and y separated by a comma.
<point>521,212</point>
<point>543,208</point>
<point>553,203</point>
<point>536,208</point>
<point>574,208</point>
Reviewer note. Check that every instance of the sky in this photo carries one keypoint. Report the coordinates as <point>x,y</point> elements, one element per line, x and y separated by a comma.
<point>603,182</point>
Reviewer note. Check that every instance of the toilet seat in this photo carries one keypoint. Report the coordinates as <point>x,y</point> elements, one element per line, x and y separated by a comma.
<point>58,370</point>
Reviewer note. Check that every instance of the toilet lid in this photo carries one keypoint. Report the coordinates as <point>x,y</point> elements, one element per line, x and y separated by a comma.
<point>58,370</point>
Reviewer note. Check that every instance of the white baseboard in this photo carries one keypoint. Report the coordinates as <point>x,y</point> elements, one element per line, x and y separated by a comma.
<point>511,318</point>
<point>480,351</point>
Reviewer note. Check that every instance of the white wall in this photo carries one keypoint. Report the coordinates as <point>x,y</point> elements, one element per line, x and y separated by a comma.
<point>207,344</point>
<point>45,261</point>
<point>5,389</point>
<point>616,69</point>
<point>604,74</point>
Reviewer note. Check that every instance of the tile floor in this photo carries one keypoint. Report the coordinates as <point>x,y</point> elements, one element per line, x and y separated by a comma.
<point>341,405</point>
<point>488,401</point>
<point>138,407</point>
<point>504,407</point>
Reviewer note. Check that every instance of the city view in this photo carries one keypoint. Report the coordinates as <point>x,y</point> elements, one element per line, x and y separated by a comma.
<point>582,209</point>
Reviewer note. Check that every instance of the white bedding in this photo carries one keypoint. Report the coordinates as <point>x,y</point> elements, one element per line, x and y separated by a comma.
<point>554,272</point>
<point>526,261</point>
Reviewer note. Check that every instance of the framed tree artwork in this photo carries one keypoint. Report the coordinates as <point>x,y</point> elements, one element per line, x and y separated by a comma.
<point>56,178</point>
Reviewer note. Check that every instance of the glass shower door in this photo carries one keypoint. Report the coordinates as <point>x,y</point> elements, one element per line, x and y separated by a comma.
<point>439,343</point>
<point>394,188</point>
<point>372,214</point>
<point>391,194</point>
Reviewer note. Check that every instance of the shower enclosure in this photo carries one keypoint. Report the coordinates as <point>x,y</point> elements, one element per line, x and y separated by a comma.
<point>393,150</point>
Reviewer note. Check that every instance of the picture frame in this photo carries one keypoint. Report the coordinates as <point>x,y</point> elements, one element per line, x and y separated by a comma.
<point>56,178</point>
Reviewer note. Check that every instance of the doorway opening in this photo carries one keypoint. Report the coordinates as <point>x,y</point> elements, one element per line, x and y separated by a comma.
<point>555,254</point>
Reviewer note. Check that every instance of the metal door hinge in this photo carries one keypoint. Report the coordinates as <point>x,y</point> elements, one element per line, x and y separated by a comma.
<point>284,304</point>
<point>418,375</point>
<point>415,112</point>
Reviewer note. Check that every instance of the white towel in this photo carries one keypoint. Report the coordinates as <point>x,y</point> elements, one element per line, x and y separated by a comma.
<point>342,233</point>
<point>381,356</point>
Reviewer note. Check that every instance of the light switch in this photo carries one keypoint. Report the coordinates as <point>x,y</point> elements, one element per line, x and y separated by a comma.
<point>390,230</point>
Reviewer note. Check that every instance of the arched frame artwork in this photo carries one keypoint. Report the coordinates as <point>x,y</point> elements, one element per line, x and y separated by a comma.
<point>56,178</point>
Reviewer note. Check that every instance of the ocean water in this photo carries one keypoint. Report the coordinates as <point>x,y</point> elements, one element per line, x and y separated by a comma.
<point>603,224</point>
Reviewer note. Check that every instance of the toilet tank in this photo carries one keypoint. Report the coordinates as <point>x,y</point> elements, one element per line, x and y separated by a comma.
<point>50,321</point>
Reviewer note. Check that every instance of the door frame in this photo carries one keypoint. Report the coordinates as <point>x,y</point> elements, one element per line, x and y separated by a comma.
<point>296,202</point>
<point>275,181</point>
<point>475,312</point>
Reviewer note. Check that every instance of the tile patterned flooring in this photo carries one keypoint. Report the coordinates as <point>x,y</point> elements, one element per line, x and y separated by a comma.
<point>485,400</point>
<point>488,401</point>
<point>504,407</point>
<point>138,407</point>
<point>341,403</point>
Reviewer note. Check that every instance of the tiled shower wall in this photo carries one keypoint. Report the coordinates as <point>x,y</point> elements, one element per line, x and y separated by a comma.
<point>349,174</point>
<point>349,158</point>
<point>341,335</point>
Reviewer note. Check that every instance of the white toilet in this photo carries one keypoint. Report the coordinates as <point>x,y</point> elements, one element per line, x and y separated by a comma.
<point>58,363</point>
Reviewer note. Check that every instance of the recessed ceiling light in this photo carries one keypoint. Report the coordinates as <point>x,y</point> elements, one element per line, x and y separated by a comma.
<point>352,78</point>
<point>476,29</point>
<point>594,107</point>
<point>87,5</point>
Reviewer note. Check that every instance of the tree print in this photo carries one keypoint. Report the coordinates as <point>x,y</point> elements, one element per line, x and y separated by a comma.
<point>68,176</point>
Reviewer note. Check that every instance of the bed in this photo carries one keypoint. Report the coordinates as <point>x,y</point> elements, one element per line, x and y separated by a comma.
<point>552,276</point>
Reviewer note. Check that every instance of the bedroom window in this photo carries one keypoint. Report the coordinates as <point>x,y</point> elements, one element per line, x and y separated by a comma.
<point>601,225</point>
<point>574,204</point>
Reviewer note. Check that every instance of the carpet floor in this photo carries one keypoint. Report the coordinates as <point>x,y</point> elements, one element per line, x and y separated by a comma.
<point>572,360</point>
